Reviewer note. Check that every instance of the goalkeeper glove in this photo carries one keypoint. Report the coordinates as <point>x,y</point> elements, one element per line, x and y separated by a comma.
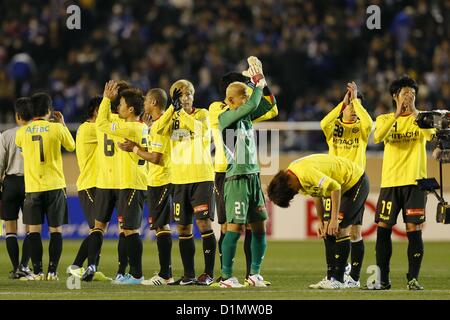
<point>252,62</point>
<point>176,100</point>
<point>257,77</point>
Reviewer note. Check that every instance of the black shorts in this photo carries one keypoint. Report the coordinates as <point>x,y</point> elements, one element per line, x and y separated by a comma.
<point>351,211</point>
<point>51,204</point>
<point>159,201</point>
<point>410,199</point>
<point>13,196</point>
<point>87,200</point>
<point>131,208</point>
<point>193,199</point>
<point>105,202</point>
<point>219,182</point>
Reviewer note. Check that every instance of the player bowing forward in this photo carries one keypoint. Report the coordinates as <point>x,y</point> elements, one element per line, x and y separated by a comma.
<point>346,128</point>
<point>321,176</point>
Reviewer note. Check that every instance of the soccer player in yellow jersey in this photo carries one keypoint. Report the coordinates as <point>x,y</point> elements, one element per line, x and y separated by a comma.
<point>220,162</point>
<point>320,176</point>
<point>86,150</point>
<point>41,142</point>
<point>404,161</point>
<point>347,128</point>
<point>108,179</point>
<point>133,180</point>
<point>159,187</point>
<point>192,177</point>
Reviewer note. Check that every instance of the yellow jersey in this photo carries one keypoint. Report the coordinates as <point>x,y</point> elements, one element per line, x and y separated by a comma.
<point>86,149</point>
<point>158,174</point>
<point>190,143</point>
<point>348,140</point>
<point>405,156</point>
<point>40,142</point>
<point>133,170</point>
<point>320,174</point>
<point>108,157</point>
<point>220,159</point>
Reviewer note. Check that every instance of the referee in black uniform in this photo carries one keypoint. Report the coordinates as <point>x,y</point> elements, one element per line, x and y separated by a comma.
<point>13,190</point>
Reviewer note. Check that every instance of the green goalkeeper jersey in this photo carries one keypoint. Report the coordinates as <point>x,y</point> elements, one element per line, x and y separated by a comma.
<point>238,135</point>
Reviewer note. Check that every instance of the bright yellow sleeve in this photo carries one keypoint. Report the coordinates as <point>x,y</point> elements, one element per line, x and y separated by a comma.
<point>162,126</point>
<point>200,125</point>
<point>428,133</point>
<point>383,125</point>
<point>364,117</point>
<point>106,124</point>
<point>327,123</point>
<point>322,181</point>
<point>66,139</point>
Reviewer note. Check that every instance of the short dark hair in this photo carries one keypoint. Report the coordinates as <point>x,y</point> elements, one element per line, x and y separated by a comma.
<point>160,96</point>
<point>402,82</point>
<point>42,104</point>
<point>93,105</point>
<point>279,191</point>
<point>229,78</point>
<point>133,97</point>
<point>122,85</point>
<point>24,107</point>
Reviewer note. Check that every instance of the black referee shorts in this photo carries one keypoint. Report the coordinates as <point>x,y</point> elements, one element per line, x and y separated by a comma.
<point>13,196</point>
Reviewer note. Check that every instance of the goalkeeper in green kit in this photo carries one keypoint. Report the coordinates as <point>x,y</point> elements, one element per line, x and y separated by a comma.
<point>244,199</point>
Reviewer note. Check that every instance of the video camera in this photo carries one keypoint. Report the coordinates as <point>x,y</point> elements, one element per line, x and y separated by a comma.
<point>439,120</point>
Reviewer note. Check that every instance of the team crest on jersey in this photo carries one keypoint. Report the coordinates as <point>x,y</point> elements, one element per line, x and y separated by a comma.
<point>355,130</point>
<point>180,134</point>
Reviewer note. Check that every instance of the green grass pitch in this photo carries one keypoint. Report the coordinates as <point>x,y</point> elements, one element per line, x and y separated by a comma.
<point>291,266</point>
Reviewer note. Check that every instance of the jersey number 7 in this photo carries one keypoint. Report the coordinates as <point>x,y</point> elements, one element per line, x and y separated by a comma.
<point>41,146</point>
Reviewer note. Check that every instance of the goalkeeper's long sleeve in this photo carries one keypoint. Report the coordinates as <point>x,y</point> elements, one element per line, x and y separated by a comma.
<point>229,117</point>
<point>264,107</point>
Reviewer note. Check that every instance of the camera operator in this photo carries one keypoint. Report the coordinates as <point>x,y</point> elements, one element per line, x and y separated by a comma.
<point>441,152</point>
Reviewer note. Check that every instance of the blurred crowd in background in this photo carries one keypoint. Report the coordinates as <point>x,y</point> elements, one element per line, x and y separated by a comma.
<point>309,50</point>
